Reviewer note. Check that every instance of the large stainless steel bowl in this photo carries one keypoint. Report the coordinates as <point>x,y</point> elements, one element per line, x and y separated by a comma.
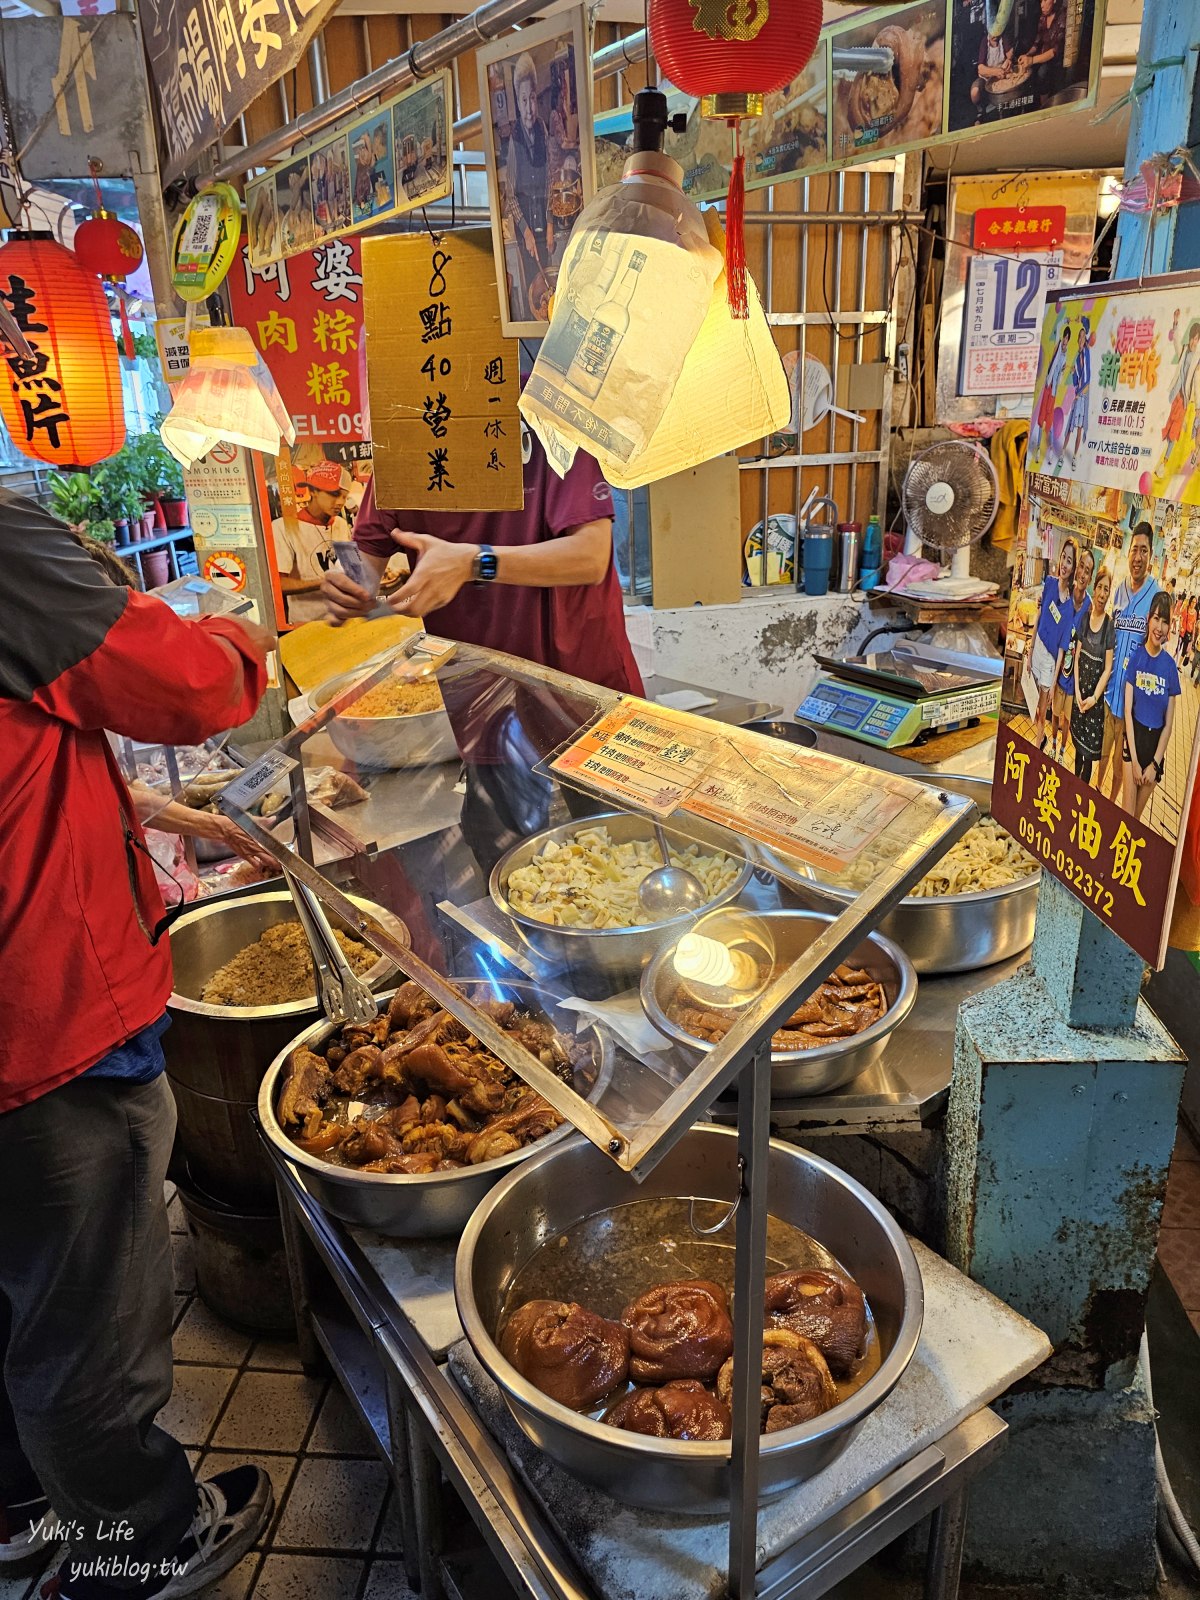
<point>620,952</point>
<point>216,1055</point>
<point>558,1188</point>
<point>434,1205</point>
<point>385,744</point>
<point>957,932</point>
<point>799,1072</point>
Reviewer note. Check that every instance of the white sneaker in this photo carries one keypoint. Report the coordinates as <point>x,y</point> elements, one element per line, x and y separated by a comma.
<point>23,1525</point>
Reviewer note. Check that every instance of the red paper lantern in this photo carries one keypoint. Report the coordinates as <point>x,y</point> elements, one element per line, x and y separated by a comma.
<point>107,246</point>
<point>62,404</point>
<point>730,53</point>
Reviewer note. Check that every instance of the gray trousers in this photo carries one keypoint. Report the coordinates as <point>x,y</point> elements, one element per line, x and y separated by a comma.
<point>86,1300</point>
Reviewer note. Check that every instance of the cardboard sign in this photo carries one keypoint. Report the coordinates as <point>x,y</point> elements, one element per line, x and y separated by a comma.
<point>443,380</point>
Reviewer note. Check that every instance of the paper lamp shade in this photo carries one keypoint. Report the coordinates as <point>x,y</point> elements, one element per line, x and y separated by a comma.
<point>62,404</point>
<point>228,394</point>
<point>107,246</point>
<point>737,48</point>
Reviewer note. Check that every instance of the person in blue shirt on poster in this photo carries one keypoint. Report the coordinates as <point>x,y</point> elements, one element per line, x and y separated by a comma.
<point>1063,702</point>
<point>1132,599</point>
<point>1081,382</point>
<point>1055,617</point>
<point>1151,689</point>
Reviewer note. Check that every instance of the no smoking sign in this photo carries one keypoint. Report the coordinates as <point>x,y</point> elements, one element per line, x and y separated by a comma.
<point>225,570</point>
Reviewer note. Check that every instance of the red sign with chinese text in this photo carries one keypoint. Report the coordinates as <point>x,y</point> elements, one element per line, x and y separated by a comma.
<point>305,316</point>
<point>1012,228</point>
<point>1119,867</point>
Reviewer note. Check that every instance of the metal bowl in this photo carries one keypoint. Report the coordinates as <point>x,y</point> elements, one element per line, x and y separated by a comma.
<point>385,744</point>
<point>620,952</point>
<point>800,1072</point>
<point>209,935</point>
<point>433,1205</point>
<point>559,1188</point>
<point>957,932</point>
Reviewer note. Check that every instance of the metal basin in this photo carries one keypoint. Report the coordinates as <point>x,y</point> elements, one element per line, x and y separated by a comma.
<point>434,1205</point>
<point>558,1188</point>
<point>617,952</point>
<point>386,744</point>
<point>800,1072</point>
<point>957,932</point>
<point>216,1054</point>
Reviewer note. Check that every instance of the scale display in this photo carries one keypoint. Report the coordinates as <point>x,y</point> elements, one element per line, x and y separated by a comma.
<point>891,721</point>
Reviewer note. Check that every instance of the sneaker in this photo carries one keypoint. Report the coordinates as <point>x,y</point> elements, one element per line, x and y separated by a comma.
<point>23,1520</point>
<point>232,1511</point>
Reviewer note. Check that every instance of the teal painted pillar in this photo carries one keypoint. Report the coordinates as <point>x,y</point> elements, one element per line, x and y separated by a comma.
<point>1058,1138</point>
<point>1164,115</point>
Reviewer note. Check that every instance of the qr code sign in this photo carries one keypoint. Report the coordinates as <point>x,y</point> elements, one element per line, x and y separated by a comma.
<point>201,232</point>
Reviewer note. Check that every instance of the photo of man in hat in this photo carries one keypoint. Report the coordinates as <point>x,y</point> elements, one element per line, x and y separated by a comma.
<point>304,544</point>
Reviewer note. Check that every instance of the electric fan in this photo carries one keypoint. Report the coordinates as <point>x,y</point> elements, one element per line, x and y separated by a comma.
<point>949,498</point>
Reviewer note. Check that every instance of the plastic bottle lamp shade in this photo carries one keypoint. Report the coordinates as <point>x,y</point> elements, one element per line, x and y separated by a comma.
<point>62,402</point>
<point>229,395</point>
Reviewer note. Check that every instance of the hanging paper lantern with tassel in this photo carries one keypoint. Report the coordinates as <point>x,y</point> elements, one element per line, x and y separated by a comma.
<point>729,54</point>
<point>62,401</point>
<point>111,249</point>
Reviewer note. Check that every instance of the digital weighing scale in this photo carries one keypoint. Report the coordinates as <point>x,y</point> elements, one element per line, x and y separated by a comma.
<point>896,697</point>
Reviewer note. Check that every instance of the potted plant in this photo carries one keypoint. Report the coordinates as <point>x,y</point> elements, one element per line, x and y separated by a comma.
<point>174,503</point>
<point>74,498</point>
<point>118,486</point>
<point>102,530</point>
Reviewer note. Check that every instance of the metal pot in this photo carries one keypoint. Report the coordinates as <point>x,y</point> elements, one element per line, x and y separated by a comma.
<point>434,1205</point>
<point>620,952</point>
<point>790,732</point>
<point>957,932</point>
<point>385,744</point>
<point>216,1054</point>
<point>801,1072</point>
<point>553,1191</point>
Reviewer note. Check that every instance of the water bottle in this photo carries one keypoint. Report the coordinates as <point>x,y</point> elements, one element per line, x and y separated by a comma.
<point>872,554</point>
<point>818,549</point>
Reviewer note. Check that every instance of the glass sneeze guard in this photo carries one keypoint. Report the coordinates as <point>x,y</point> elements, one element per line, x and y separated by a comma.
<point>505,814</point>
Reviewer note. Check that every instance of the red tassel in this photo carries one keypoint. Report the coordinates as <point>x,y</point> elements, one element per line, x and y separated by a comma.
<point>128,336</point>
<point>735,233</point>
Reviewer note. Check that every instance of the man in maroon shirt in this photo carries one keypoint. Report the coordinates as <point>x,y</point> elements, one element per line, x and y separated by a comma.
<point>538,583</point>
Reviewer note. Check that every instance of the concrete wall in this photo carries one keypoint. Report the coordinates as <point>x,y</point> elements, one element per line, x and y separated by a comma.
<point>763,646</point>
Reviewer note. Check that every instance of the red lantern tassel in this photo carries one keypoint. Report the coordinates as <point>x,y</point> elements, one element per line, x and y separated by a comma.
<point>125,329</point>
<point>735,233</point>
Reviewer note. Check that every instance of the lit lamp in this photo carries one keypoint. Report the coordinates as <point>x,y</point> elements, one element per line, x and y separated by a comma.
<point>111,249</point>
<point>61,396</point>
<point>643,364</point>
<point>730,54</point>
<point>228,394</point>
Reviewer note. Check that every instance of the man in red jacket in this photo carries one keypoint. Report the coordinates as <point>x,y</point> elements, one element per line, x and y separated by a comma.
<point>86,1118</point>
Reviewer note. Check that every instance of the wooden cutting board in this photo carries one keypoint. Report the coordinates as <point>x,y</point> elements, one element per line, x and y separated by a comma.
<point>317,651</point>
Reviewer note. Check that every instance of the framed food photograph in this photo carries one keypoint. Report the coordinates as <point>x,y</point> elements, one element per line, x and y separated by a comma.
<point>535,90</point>
<point>888,76</point>
<point>421,139</point>
<point>262,221</point>
<point>372,166</point>
<point>329,174</point>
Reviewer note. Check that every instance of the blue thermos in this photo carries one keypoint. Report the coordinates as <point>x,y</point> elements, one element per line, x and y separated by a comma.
<point>872,554</point>
<point>818,549</point>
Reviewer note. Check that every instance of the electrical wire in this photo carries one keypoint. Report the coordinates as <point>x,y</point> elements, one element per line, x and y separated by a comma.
<point>1177,1522</point>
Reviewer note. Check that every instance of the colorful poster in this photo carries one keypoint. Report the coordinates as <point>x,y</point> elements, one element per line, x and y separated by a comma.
<point>1118,389</point>
<point>790,136</point>
<point>1097,745</point>
<point>380,166</point>
<point>444,381</point>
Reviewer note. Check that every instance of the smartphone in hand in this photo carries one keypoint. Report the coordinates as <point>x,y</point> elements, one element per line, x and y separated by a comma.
<point>349,558</point>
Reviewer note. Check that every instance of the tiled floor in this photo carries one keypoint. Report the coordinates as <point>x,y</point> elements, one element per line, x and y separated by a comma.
<point>1179,1241</point>
<point>238,1398</point>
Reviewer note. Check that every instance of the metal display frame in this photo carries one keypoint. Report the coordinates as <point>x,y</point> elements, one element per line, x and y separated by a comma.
<point>744,1055</point>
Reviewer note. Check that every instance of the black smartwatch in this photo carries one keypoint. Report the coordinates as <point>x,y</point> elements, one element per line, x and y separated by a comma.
<point>484,567</point>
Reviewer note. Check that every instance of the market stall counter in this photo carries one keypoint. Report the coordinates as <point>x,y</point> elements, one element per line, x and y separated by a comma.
<point>420,1110</point>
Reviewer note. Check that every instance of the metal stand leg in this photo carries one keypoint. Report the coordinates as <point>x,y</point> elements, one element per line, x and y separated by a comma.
<point>402,1477</point>
<point>749,1269</point>
<point>943,1563</point>
<point>296,1248</point>
<point>427,1508</point>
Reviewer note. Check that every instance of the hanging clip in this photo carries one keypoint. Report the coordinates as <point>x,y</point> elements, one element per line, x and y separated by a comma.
<point>729,1215</point>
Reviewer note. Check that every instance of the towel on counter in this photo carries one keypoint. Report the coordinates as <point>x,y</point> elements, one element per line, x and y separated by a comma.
<point>1007,449</point>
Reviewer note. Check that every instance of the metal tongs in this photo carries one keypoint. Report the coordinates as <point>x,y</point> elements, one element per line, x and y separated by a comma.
<point>343,995</point>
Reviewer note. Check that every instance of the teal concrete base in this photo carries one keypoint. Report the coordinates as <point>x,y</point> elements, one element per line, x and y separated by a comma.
<point>1058,1141</point>
<point>1070,1502</point>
